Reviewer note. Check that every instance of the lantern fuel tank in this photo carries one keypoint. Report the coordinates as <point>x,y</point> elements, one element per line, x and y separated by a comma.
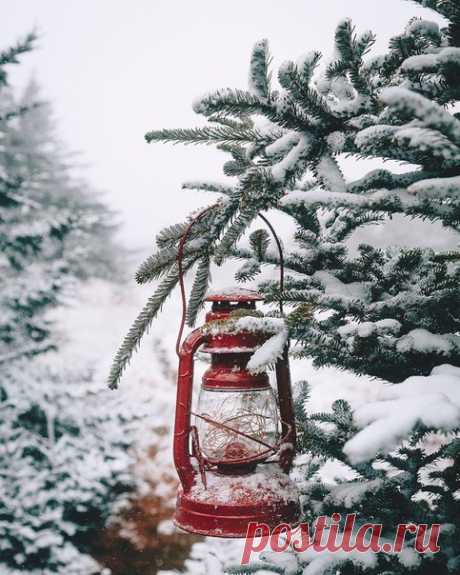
<point>233,458</point>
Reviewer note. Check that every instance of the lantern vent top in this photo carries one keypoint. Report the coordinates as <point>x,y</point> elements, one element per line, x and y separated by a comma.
<point>234,294</point>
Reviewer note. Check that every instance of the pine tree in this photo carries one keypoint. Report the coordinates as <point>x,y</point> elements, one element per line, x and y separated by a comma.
<point>64,445</point>
<point>392,313</point>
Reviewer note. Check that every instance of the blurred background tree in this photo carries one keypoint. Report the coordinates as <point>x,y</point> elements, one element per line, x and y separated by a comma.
<point>66,444</point>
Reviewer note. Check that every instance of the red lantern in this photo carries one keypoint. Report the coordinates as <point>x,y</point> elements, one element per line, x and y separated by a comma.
<point>233,462</point>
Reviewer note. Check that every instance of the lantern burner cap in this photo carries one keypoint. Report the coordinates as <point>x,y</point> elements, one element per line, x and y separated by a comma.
<point>233,294</point>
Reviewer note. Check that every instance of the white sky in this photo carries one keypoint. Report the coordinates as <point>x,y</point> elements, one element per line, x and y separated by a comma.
<point>115,69</point>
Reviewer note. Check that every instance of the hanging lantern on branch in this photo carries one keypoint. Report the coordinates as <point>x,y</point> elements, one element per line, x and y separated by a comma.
<point>234,458</point>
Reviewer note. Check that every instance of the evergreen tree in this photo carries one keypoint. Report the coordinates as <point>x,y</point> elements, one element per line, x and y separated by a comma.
<point>64,459</point>
<point>53,228</point>
<point>392,313</point>
<point>20,333</point>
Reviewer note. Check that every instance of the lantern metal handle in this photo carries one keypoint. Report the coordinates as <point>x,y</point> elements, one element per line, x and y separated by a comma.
<point>182,456</point>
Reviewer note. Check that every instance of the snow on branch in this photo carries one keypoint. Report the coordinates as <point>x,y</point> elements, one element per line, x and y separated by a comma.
<point>431,114</point>
<point>379,200</point>
<point>335,288</point>
<point>259,77</point>
<point>351,493</point>
<point>268,353</point>
<point>228,101</point>
<point>380,178</point>
<point>412,139</point>
<point>428,63</point>
<point>329,173</point>
<point>426,140</point>
<point>288,164</point>
<point>318,562</point>
<point>432,400</point>
<point>387,326</point>
<point>319,196</point>
<point>206,186</point>
<point>437,188</point>
<point>426,28</point>
<point>283,145</point>
<point>424,341</point>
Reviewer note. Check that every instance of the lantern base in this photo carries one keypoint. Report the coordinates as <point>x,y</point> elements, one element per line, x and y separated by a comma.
<point>229,503</point>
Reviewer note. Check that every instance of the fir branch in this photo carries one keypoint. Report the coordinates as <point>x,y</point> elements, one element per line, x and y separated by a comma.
<point>234,233</point>
<point>240,162</point>
<point>238,152</point>
<point>347,221</point>
<point>10,55</point>
<point>364,44</point>
<point>200,287</point>
<point>233,168</point>
<point>269,258</point>
<point>259,188</point>
<point>329,173</point>
<point>449,256</point>
<point>226,214</point>
<point>248,271</point>
<point>156,265</point>
<point>233,102</point>
<point>205,135</point>
<point>141,325</point>
<point>241,122</point>
<point>336,69</point>
<point>259,241</point>
<point>259,76</point>
<point>416,145</point>
<point>162,261</point>
<point>384,179</point>
<point>450,9</point>
<point>413,105</point>
<point>308,99</point>
<point>344,40</point>
<point>208,187</point>
<point>303,396</point>
<point>351,50</point>
<point>169,236</point>
<point>307,67</point>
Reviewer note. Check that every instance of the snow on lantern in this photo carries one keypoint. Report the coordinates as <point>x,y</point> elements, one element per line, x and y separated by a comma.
<point>233,461</point>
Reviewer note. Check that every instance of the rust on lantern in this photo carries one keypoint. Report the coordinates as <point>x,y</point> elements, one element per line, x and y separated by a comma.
<point>233,464</point>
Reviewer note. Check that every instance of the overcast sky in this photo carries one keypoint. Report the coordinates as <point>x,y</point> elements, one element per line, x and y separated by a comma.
<point>115,69</point>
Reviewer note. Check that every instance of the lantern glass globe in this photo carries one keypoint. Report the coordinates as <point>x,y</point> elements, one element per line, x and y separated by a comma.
<point>221,414</point>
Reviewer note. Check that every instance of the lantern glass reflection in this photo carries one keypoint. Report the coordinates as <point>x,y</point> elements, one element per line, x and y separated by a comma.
<point>253,413</point>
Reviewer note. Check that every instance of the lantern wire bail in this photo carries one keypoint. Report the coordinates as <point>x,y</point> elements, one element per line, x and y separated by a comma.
<point>180,257</point>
